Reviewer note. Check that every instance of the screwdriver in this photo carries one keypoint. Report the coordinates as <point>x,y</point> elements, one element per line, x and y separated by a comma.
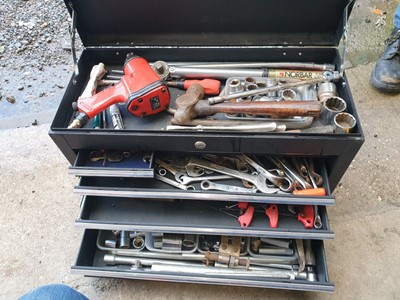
<point>211,86</point>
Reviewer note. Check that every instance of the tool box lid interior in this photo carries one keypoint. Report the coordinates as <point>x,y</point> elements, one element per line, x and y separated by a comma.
<point>210,23</point>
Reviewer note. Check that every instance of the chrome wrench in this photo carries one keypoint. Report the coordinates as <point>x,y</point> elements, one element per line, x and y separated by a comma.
<point>290,171</point>
<point>208,185</point>
<point>259,180</point>
<point>317,217</point>
<point>174,183</point>
<point>167,167</point>
<point>184,179</point>
<point>284,183</point>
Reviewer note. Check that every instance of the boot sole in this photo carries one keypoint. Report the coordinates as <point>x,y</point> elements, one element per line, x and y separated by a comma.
<point>384,88</point>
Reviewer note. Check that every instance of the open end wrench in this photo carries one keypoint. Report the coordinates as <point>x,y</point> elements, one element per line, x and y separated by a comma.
<point>174,183</point>
<point>208,185</point>
<point>317,217</point>
<point>166,166</point>
<point>184,179</point>
<point>290,171</point>
<point>259,181</point>
<point>284,183</point>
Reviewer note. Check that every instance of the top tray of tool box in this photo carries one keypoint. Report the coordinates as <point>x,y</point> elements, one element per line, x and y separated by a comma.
<point>204,31</point>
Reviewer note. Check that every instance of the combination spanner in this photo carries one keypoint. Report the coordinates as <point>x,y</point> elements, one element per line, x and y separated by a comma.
<point>184,179</point>
<point>259,181</point>
<point>208,185</point>
<point>284,183</point>
<point>174,183</point>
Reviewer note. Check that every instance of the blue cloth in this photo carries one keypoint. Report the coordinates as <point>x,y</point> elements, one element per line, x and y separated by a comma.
<point>53,292</point>
<point>396,19</point>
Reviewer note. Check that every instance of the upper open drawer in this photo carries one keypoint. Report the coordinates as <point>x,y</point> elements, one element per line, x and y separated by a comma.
<point>263,179</point>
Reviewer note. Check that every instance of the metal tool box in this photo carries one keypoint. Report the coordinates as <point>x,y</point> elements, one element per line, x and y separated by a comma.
<point>204,31</point>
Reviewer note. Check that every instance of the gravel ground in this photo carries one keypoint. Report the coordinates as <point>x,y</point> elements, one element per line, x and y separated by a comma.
<point>35,60</point>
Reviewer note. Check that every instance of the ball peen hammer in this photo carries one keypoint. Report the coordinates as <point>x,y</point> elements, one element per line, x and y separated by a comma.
<point>190,105</point>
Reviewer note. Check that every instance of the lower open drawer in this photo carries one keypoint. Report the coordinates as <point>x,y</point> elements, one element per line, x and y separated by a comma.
<point>194,217</point>
<point>91,262</point>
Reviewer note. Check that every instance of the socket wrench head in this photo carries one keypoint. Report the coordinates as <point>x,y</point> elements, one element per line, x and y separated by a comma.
<point>288,94</point>
<point>326,90</point>
<point>138,243</point>
<point>249,81</point>
<point>330,108</point>
<point>161,68</point>
<point>235,86</point>
<point>110,243</point>
<point>344,123</point>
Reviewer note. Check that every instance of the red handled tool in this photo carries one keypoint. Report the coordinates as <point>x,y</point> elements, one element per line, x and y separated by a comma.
<point>273,215</point>
<point>306,216</point>
<point>140,88</point>
<point>243,205</point>
<point>211,86</point>
<point>246,218</point>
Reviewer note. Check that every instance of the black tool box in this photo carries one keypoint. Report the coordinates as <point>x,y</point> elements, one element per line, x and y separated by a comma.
<point>128,197</point>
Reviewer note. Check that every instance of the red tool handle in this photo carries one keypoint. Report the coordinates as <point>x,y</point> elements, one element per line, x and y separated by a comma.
<point>211,86</point>
<point>247,217</point>
<point>306,216</point>
<point>95,104</point>
<point>310,192</point>
<point>243,205</point>
<point>272,213</point>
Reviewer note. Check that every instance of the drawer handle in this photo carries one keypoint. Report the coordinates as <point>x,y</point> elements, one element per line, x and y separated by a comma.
<point>200,145</point>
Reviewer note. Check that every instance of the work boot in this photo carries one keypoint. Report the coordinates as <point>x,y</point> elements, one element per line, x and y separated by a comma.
<point>386,75</point>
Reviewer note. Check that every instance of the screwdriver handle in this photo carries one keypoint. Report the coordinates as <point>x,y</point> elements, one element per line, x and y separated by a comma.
<point>211,86</point>
<point>310,192</point>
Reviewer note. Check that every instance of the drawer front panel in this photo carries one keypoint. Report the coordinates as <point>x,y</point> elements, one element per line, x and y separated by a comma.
<point>114,163</point>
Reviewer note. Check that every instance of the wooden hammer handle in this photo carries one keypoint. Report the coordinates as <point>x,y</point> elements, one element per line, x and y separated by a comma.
<point>276,108</point>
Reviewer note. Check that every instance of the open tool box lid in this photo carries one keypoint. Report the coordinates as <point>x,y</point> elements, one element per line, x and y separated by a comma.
<point>210,22</point>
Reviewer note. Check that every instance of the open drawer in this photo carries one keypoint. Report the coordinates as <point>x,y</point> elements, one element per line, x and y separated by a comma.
<point>195,217</point>
<point>91,262</point>
<point>207,186</point>
<point>114,163</point>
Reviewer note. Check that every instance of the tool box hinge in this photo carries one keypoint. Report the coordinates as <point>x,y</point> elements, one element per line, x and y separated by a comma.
<point>72,32</point>
<point>344,37</point>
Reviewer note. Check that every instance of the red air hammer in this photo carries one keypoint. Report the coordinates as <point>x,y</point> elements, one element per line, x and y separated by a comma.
<point>140,88</point>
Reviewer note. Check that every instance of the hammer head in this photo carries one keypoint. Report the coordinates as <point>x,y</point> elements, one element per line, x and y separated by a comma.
<point>185,104</point>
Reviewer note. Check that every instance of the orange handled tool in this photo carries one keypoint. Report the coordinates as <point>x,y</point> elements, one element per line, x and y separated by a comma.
<point>310,192</point>
<point>211,86</point>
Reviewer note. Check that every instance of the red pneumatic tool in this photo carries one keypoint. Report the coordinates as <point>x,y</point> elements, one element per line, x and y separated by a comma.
<point>140,88</point>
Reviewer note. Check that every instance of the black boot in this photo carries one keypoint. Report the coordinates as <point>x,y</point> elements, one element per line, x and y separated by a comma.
<point>386,75</point>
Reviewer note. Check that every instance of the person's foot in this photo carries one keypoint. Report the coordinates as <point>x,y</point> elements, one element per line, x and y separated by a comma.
<point>386,74</point>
